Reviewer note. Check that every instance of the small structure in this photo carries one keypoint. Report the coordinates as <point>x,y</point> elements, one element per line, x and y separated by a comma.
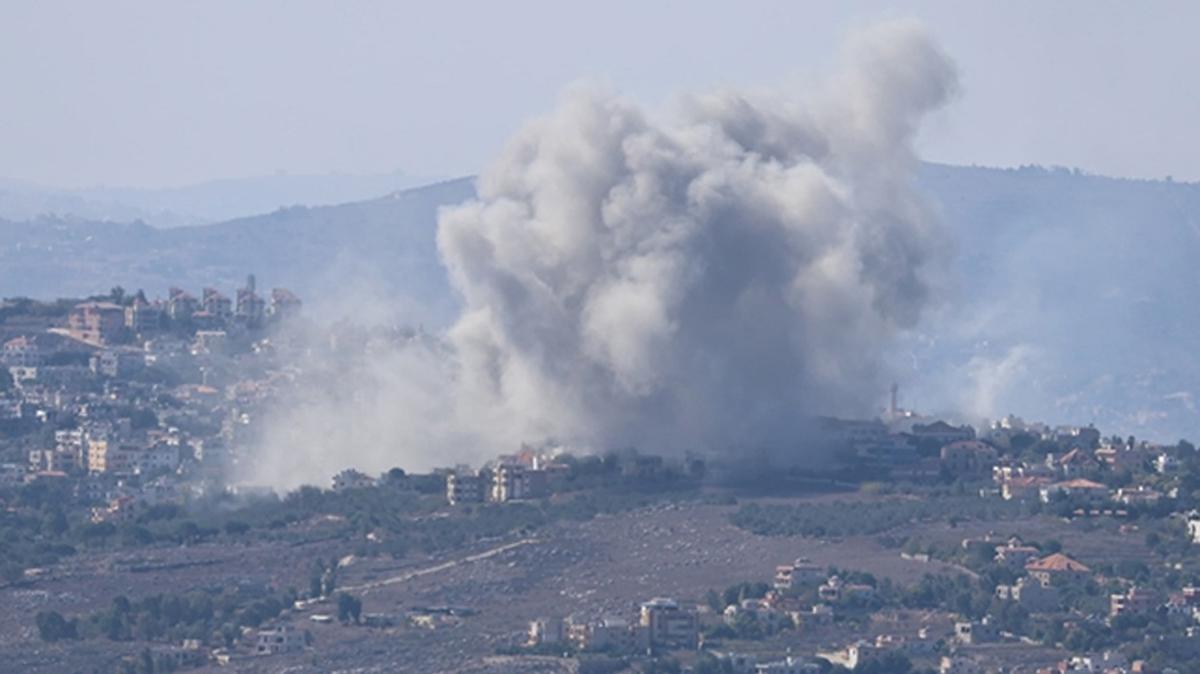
<point>281,639</point>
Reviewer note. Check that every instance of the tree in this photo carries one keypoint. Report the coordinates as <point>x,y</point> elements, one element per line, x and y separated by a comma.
<point>349,608</point>
<point>52,626</point>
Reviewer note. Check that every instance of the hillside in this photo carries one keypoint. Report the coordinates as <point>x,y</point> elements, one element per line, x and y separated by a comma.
<point>1071,297</point>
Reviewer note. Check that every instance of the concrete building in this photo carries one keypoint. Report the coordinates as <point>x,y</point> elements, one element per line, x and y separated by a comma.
<point>976,632</point>
<point>544,631</point>
<point>281,639</point>
<point>665,623</point>
<point>514,482</point>
<point>1057,570</point>
<point>284,304</point>
<point>1031,594</point>
<point>96,322</point>
<point>143,318</point>
<point>217,305</point>
<point>801,572</point>
<point>941,433</point>
<point>1137,600</point>
<point>181,305</point>
<point>467,487</point>
<point>968,458</point>
<point>1086,491</point>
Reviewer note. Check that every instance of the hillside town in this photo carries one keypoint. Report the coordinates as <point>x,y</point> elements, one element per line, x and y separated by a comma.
<point>126,423</point>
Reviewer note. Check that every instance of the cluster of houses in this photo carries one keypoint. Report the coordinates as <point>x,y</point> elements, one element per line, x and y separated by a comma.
<point>131,410</point>
<point>661,623</point>
<point>521,476</point>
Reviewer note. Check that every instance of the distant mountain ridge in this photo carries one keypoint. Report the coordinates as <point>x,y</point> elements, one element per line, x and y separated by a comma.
<point>200,203</point>
<point>1071,297</point>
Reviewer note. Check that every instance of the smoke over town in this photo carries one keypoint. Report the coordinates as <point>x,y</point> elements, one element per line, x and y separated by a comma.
<point>699,281</point>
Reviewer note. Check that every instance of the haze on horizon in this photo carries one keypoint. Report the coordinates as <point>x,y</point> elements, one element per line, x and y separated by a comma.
<point>154,94</point>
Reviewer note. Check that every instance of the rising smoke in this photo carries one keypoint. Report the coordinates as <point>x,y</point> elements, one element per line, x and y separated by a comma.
<point>704,282</point>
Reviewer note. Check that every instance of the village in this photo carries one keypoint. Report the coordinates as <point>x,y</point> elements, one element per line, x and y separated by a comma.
<point>916,545</point>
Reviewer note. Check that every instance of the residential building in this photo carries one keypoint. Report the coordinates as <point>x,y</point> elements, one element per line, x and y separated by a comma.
<point>1057,570</point>
<point>1031,594</point>
<point>1166,464</point>
<point>11,474</point>
<point>667,624</point>
<point>1079,489</point>
<point>1023,488</point>
<point>968,458</point>
<point>217,305</point>
<point>284,304</point>
<point>142,317</point>
<point>1193,526</point>
<point>467,487</point>
<point>181,305</point>
<point>281,639</point>
<point>941,433</point>
<point>96,322</point>
<point>1015,554</point>
<point>514,482</point>
<point>546,631</point>
<point>1137,600</point>
<point>976,631</point>
<point>799,573</point>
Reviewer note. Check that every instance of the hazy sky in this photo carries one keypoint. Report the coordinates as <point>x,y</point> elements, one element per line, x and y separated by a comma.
<point>159,93</point>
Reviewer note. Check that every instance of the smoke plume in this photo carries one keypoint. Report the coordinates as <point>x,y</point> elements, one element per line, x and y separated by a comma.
<point>701,281</point>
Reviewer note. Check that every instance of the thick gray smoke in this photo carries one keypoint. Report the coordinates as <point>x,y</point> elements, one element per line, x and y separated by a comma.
<point>701,282</point>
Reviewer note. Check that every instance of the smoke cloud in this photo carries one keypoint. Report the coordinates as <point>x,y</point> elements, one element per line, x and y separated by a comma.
<point>705,280</point>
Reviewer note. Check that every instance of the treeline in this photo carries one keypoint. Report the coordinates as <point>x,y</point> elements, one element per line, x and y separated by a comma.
<point>211,616</point>
<point>866,517</point>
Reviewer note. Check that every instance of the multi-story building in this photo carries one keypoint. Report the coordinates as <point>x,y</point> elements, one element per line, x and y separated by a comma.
<point>250,307</point>
<point>513,482</point>
<point>217,305</point>
<point>968,458</point>
<point>96,322</point>
<point>284,304</point>
<point>801,572</point>
<point>1031,594</point>
<point>281,639</point>
<point>665,623</point>
<point>181,305</point>
<point>142,317</point>
<point>1138,600</point>
<point>466,487</point>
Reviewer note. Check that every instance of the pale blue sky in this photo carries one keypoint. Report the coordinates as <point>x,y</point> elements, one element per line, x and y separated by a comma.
<point>160,93</point>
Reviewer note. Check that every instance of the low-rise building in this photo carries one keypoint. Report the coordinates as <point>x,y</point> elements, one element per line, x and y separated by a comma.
<point>801,572</point>
<point>1058,570</point>
<point>1135,601</point>
<point>1087,491</point>
<point>968,458</point>
<point>281,639</point>
<point>1031,594</point>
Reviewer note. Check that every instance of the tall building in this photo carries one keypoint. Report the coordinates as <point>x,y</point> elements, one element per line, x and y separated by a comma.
<point>96,322</point>
<point>284,304</point>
